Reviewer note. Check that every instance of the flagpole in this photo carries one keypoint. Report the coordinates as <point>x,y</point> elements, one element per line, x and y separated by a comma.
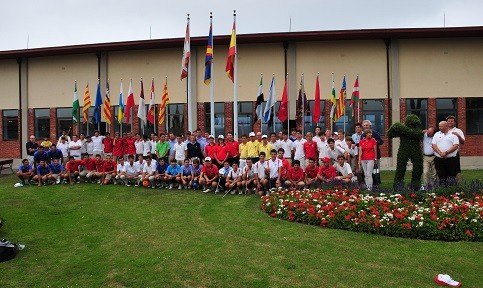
<point>261,118</point>
<point>235,87</point>
<point>333,107</point>
<point>212,87</point>
<point>165,120</point>
<point>358,103</point>
<point>188,78</point>
<point>288,105</point>
<point>302,92</point>
<point>343,115</point>
<point>120,124</point>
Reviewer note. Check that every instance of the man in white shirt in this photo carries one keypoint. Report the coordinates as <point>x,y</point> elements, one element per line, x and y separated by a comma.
<point>356,137</point>
<point>139,145</point>
<point>261,174</point>
<point>287,146</point>
<point>149,170</point>
<point>248,175</point>
<point>334,151</point>
<point>274,141</point>
<point>344,171</point>
<point>146,146</point>
<point>97,142</point>
<point>180,150</point>
<point>461,138</point>
<point>74,147</point>
<point>66,135</point>
<point>429,171</point>
<point>340,141</point>
<point>274,169</point>
<point>131,171</point>
<point>121,168</point>
<point>63,146</point>
<point>299,153</point>
<point>154,142</point>
<point>82,138</point>
<point>445,146</point>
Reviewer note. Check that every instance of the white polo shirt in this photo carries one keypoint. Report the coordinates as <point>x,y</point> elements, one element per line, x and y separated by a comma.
<point>457,130</point>
<point>344,170</point>
<point>322,147</point>
<point>131,170</point>
<point>274,165</point>
<point>250,172</point>
<point>97,141</point>
<point>260,168</point>
<point>287,146</point>
<point>150,169</point>
<point>179,150</point>
<point>299,149</point>
<point>235,174</point>
<point>75,153</point>
<point>427,145</point>
<point>121,168</point>
<point>444,142</point>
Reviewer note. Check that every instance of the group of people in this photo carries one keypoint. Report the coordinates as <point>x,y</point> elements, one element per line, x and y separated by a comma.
<point>199,160</point>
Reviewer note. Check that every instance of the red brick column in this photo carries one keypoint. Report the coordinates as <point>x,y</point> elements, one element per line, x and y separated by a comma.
<point>461,118</point>
<point>53,124</point>
<point>229,125</point>
<point>328,123</point>
<point>200,110</point>
<point>432,113</point>
<point>135,120</point>
<point>185,117</point>
<point>30,122</point>
<point>403,109</point>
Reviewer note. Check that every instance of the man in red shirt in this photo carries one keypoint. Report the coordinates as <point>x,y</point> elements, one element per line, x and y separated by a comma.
<point>130,146</point>
<point>89,166</point>
<point>327,172</point>
<point>108,144</point>
<point>310,148</point>
<point>72,168</point>
<point>209,175</point>
<point>210,148</point>
<point>109,170</point>
<point>118,146</point>
<point>285,165</point>
<point>99,170</point>
<point>311,173</point>
<point>296,176</point>
<point>232,147</point>
<point>221,152</point>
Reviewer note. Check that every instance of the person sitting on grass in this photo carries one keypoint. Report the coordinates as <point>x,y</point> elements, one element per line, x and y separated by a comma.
<point>261,174</point>
<point>233,180</point>
<point>296,176</point>
<point>109,170</point>
<point>344,171</point>
<point>58,171</point>
<point>248,178</point>
<point>160,172</point>
<point>149,170</point>
<point>224,171</point>
<point>311,173</point>
<point>25,172</point>
<point>195,174</point>
<point>131,173</point>
<point>209,175</point>
<point>43,173</point>
<point>97,174</point>
<point>121,167</point>
<point>327,172</point>
<point>173,174</point>
<point>72,168</point>
<point>87,168</point>
<point>186,170</point>
<point>54,153</point>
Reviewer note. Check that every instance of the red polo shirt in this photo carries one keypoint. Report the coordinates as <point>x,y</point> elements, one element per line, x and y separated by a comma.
<point>327,173</point>
<point>210,171</point>
<point>310,149</point>
<point>311,171</point>
<point>108,144</point>
<point>296,175</point>
<point>232,147</point>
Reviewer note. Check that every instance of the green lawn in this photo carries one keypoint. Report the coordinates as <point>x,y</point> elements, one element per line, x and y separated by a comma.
<point>116,236</point>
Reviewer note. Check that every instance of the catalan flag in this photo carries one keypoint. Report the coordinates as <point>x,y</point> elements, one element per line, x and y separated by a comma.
<point>150,115</point>
<point>87,103</point>
<point>230,60</point>
<point>340,111</point>
<point>120,108</point>
<point>186,52</point>
<point>209,55</point>
<point>107,106</point>
<point>164,103</point>
<point>75,105</point>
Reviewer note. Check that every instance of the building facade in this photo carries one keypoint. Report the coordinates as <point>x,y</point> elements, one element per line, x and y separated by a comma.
<point>432,72</point>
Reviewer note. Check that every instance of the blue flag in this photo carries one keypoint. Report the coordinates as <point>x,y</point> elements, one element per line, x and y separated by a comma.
<point>97,106</point>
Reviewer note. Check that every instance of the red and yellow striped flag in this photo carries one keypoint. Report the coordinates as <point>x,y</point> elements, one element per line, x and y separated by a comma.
<point>341,101</point>
<point>87,103</point>
<point>164,103</point>
<point>230,60</point>
<point>107,107</point>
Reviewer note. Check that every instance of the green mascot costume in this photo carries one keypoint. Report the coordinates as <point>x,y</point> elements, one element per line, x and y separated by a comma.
<point>410,149</point>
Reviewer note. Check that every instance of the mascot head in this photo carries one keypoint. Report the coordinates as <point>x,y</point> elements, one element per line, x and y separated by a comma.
<point>412,121</point>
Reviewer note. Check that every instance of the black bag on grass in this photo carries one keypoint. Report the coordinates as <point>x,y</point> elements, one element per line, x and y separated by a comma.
<point>8,250</point>
<point>376,176</point>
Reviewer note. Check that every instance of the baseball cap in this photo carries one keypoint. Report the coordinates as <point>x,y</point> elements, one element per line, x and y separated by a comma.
<point>264,136</point>
<point>251,134</point>
<point>207,159</point>
<point>221,137</point>
<point>211,136</point>
<point>326,160</point>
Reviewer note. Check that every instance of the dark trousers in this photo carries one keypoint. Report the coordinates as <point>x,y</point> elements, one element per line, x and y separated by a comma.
<point>446,168</point>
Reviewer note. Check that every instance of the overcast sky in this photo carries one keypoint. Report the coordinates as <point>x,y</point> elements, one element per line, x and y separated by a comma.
<point>47,23</point>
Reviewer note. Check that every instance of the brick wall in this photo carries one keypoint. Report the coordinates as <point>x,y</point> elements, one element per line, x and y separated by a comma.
<point>10,148</point>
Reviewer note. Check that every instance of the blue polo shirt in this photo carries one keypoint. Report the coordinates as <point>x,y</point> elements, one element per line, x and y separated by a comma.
<point>56,169</point>
<point>173,170</point>
<point>162,168</point>
<point>43,170</point>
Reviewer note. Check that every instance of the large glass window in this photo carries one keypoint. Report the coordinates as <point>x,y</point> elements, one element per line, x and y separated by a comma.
<point>309,125</point>
<point>418,107</point>
<point>245,118</point>
<point>64,120</point>
<point>474,115</point>
<point>346,121</point>
<point>219,118</point>
<point>10,124</point>
<point>42,123</point>
<point>446,107</point>
<point>274,124</point>
<point>176,118</point>
<point>117,127</point>
<point>373,110</point>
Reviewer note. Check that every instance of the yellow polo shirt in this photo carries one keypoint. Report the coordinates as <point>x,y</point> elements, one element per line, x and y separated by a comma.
<point>252,148</point>
<point>243,150</point>
<point>265,149</point>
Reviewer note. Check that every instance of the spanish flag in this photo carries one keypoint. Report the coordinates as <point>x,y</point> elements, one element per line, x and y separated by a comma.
<point>230,61</point>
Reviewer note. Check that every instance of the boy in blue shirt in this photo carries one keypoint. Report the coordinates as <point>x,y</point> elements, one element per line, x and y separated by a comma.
<point>161,172</point>
<point>43,173</point>
<point>195,174</point>
<point>25,172</point>
<point>173,174</point>
<point>186,173</point>
<point>58,171</point>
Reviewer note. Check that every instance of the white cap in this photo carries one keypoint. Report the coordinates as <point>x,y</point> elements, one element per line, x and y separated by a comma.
<point>446,280</point>
<point>221,137</point>
<point>207,158</point>
<point>264,136</point>
<point>211,136</point>
<point>252,134</point>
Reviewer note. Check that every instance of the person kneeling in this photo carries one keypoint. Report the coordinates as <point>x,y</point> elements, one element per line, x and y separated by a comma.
<point>233,180</point>
<point>344,171</point>
<point>43,173</point>
<point>209,175</point>
<point>224,171</point>
<point>173,174</point>
<point>296,176</point>
<point>327,172</point>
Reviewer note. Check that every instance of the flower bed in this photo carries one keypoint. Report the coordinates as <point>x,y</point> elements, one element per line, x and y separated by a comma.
<point>451,218</point>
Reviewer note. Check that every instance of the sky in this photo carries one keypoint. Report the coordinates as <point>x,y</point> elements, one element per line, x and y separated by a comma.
<point>49,23</point>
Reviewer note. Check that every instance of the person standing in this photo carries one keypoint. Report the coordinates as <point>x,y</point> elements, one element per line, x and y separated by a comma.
<point>194,149</point>
<point>429,171</point>
<point>451,120</point>
<point>108,144</point>
<point>232,147</point>
<point>287,146</point>
<point>97,140</point>
<point>31,147</point>
<point>162,148</point>
<point>367,156</point>
<point>310,149</point>
<point>74,148</point>
<point>180,150</point>
<point>252,147</point>
<point>366,124</point>
<point>356,137</point>
<point>445,145</point>
<point>298,146</point>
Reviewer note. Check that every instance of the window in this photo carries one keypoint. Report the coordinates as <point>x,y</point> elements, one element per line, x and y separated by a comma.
<point>474,115</point>
<point>64,120</point>
<point>418,107</point>
<point>274,124</point>
<point>117,127</point>
<point>89,127</point>
<point>373,110</point>
<point>444,108</point>
<point>346,121</point>
<point>10,124</point>
<point>149,127</point>
<point>219,118</point>
<point>245,118</point>
<point>309,125</point>
<point>176,118</point>
<point>42,123</point>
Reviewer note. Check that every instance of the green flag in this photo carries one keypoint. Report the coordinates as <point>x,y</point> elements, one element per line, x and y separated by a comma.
<point>75,105</point>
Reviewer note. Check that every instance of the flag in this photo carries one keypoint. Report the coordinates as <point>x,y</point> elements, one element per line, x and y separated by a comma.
<point>209,56</point>
<point>120,108</point>
<point>258,107</point>
<point>97,105</point>
<point>230,60</point>
<point>129,102</point>
<point>142,106</point>
<point>270,101</point>
<point>283,109</point>
<point>87,103</point>
<point>151,105</point>
<point>164,103</point>
<point>340,109</point>
<point>75,105</point>
<point>107,106</point>
<point>355,96</point>
<point>185,61</point>
<point>333,100</point>
<point>316,112</point>
<point>302,106</point>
